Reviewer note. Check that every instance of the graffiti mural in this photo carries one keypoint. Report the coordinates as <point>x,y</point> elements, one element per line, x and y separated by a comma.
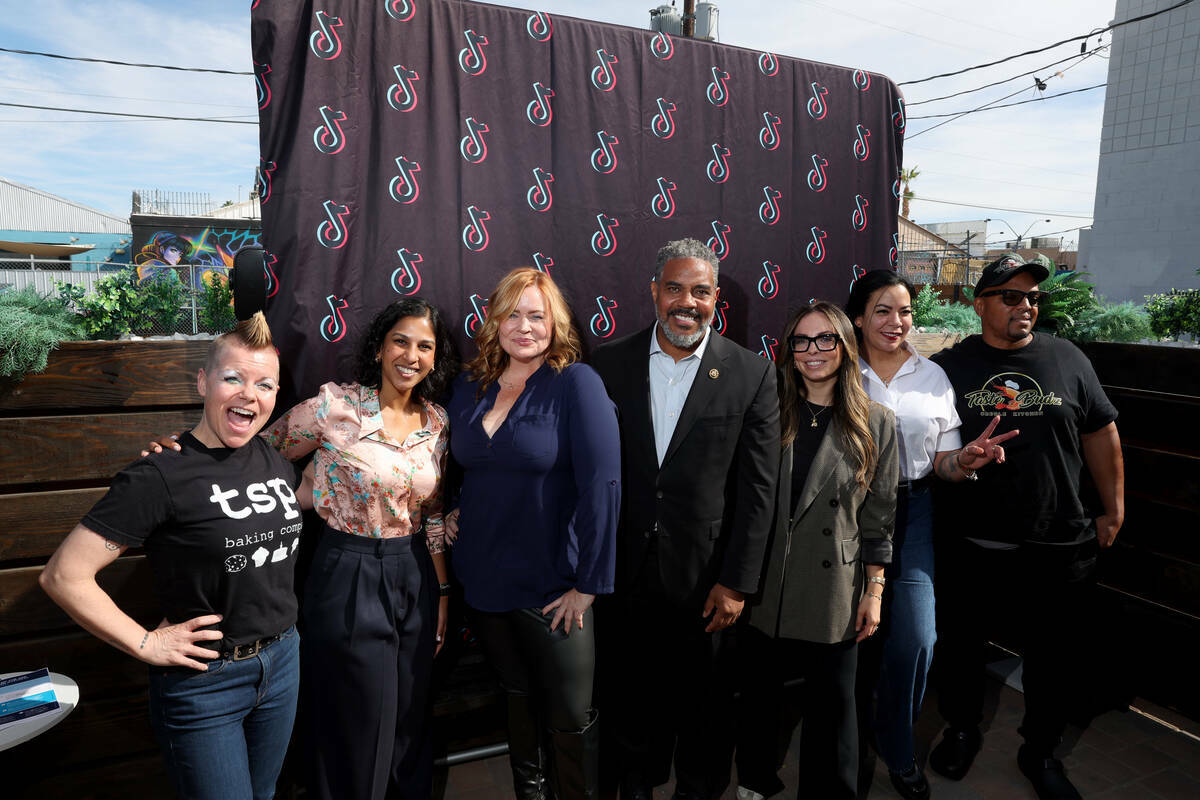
<point>175,248</point>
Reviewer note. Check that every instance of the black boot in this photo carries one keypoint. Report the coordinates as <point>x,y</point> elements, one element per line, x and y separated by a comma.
<point>525,753</point>
<point>576,768</point>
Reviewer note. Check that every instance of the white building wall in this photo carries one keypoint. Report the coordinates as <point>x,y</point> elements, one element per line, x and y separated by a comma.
<point>956,233</point>
<point>1145,237</point>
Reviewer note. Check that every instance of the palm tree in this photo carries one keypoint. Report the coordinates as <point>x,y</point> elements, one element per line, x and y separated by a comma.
<point>906,177</point>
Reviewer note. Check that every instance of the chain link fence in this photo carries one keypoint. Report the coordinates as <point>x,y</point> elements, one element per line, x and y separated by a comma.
<point>164,300</point>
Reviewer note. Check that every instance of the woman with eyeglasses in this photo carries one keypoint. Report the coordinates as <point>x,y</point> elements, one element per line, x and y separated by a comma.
<point>823,584</point>
<point>918,392</point>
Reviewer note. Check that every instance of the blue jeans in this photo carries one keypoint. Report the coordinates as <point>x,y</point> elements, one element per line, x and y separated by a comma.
<point>909,631</point>
<point>225,731</point>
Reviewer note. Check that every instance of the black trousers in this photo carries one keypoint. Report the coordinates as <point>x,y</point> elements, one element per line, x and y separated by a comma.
<point>665,688</point>
<point>555,669</point>
<point>824,700</point>
<point>370,613</point>
<point>1037,596</point>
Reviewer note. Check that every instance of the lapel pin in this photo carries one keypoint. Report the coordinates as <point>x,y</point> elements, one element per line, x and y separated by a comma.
<point>714,373</point>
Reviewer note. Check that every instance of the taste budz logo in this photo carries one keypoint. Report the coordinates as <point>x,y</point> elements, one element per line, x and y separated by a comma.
<point>1013,392</point>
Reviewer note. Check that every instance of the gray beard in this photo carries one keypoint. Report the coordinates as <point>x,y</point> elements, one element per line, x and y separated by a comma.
<point>683,341</point>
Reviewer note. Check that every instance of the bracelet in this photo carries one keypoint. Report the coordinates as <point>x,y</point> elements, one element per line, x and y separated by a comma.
<point>877,579</point>
<point>443,590</point>
<point>876,596</point>
<point>971,475</point>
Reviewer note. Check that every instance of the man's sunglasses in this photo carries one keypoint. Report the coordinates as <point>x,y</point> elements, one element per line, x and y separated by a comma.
<point>799,343</point>
<point>1012,297</point>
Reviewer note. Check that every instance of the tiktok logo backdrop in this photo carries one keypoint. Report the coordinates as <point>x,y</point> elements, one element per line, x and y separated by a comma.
<point>429,146</point>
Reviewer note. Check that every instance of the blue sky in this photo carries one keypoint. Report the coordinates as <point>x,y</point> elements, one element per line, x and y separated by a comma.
<point>1039,157</point>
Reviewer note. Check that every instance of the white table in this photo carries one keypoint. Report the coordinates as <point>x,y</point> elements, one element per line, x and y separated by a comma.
<point>67,692</point>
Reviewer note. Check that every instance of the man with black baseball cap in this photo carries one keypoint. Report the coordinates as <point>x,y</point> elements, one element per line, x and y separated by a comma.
<point>1018,544</point>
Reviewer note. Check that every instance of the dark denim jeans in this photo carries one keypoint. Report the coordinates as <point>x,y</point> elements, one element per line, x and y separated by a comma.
<point>225,731</point>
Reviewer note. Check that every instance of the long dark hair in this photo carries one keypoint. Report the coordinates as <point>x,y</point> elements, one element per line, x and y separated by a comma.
<point>851,405</point>
<point>867,285</point>
<point>367,369</point>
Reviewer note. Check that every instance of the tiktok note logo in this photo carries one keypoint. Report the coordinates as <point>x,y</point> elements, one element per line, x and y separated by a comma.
<point>661,46</point>
<point>719,241</point>
<point>856,272</point>
<point>602,323</point>
<point>328,137</point>
<point>604,241</point>
<point>862,143</point>
<point>324,41</point>
<point>861,79</point>
<point>333,325</point>
<point>539,26</point>
<point>720,322</point>
<point>269,262</point>
<point>406,280</point>
<point>261,85</point>
<point>817,109</point>
<point>894,250</point>
<point>768,134</point>
<point>542,262</point>
<point>472,146</point>
<point>858,218</point>
<point>404,187</point>
<point>815,252</point>
<point>604,158</point>
<point>400,10</point>
<point>768,210</point>
<point>539,111</point>
<point>402,95</point>
<point>717,90</point>
<point>471,58</point>
<point>539,197</point>
<point>768,64</point>
<point>768,285</point>
<point>332,231</point>
<point>898,119</point>
<point>475,234</point>
<point>663,202</point>
<point>262,179</point>
<point>476,316</point>
<point>769,343</point>
<point>717,168</point>
<point>663,123</point>
<point>816,175</point>
<point>603,77</point>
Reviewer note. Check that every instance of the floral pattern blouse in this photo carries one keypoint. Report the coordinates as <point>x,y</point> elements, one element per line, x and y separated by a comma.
<point>365,482</point>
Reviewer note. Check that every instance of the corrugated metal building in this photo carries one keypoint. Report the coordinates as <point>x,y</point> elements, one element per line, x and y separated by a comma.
<point>35,224</point>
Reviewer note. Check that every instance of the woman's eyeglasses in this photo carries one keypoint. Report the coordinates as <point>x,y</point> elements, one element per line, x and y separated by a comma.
<point>825,341</point>
<point>1012,297</point>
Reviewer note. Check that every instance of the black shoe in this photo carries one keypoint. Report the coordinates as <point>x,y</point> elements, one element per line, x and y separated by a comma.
<point>1046,774</point>
<point>911,785</point>
<point>956,752</point>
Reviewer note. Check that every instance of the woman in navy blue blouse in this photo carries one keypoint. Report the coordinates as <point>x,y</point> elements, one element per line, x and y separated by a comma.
<point>536,437</point>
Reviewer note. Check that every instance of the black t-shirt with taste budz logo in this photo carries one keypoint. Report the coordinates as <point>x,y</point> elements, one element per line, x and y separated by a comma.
<point>1049,391</point>
<point>220,527</point>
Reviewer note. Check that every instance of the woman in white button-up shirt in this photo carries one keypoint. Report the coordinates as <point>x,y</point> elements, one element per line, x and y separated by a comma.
<point>920,395</point>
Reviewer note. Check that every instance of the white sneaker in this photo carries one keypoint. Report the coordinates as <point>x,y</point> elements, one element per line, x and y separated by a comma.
<point>748,794</point>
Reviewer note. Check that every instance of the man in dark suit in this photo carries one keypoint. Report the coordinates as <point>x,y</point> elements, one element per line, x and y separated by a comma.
<point>699,423</point>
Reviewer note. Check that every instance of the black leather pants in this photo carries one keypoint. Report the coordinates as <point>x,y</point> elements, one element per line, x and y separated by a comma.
<point>548,677</point>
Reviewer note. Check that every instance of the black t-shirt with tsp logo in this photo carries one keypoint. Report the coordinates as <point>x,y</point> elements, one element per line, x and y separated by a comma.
<point>1049,391</point>
<point>221,528</point>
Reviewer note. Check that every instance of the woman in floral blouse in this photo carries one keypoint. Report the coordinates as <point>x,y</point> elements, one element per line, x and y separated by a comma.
<point>373,613</point>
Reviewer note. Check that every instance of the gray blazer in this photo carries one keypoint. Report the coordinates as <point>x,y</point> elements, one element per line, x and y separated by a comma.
<point>813,578</point>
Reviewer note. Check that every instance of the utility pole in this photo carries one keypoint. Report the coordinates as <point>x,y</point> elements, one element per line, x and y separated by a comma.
<point>689,18</point>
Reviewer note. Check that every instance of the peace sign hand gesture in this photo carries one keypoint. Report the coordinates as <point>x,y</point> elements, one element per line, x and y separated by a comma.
<point>985,449</point>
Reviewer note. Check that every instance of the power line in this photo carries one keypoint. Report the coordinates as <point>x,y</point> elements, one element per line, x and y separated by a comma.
<point>959,114</point>
<point>998,208</point>
<point>837,10</point>
<point>227,120</point>
<point>1080,56</point>
<point>991,107</point>
<point>998,160</point>
<point>1084,37</point>
<point>121,63</point>
<point>41,91</point>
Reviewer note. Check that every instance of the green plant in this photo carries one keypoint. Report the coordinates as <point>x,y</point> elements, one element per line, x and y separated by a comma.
<point>1175,312</point>
<point>120,305</point>
<point>1110,322</point>
<point>216,304</point>
<point>30,327</point>
<point>1069,298</point>
<point>931,312</point>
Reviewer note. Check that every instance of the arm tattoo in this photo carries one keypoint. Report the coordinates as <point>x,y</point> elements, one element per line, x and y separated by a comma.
<point>111,545</point>
<point>144,638</point>
<point>948,466</point>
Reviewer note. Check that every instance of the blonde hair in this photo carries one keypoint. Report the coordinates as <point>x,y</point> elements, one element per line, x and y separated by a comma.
<point>491,361</point>
<point>253,333</point>
<point>851,405</point>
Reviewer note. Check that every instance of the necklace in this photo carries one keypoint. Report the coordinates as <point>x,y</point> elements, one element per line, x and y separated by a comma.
<point>816,414</point>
